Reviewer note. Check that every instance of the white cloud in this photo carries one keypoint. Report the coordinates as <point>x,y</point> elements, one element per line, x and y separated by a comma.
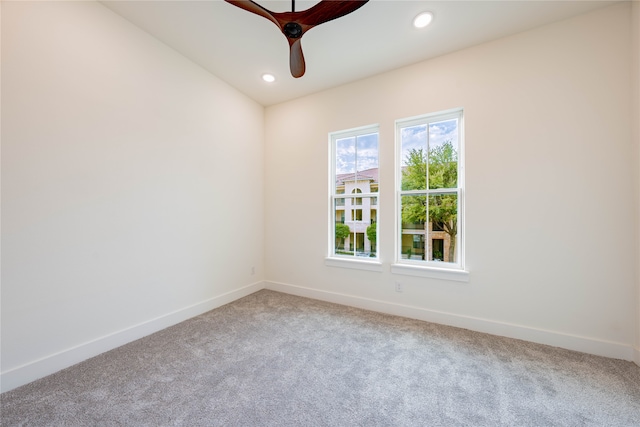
<point>413,138</point>
<point>365,155</point>
<point>443,131</point>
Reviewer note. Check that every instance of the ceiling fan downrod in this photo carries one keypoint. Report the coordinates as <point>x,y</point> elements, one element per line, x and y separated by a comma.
<point>292,30</point>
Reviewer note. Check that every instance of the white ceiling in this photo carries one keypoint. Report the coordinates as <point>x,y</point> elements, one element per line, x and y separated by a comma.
<point>238,46</point>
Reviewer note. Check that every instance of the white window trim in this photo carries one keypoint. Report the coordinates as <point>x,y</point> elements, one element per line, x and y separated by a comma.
<point>333,260</point>
<point>356,264</point>
<point>431,269</point>
<point>406,269</point>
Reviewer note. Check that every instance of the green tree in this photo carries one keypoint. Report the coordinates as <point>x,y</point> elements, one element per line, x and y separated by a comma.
<point>443,173</point>
<point>372,232</point>
<point>342,232</point>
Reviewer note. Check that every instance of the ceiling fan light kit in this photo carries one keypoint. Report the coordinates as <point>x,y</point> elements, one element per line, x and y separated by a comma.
<point>294,24</point>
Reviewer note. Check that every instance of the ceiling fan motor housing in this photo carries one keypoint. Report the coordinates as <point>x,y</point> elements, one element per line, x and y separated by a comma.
<point>293,30</point>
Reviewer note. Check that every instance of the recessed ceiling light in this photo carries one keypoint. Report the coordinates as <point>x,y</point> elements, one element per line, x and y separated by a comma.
<point>269,78</point>
<point>423,19</point>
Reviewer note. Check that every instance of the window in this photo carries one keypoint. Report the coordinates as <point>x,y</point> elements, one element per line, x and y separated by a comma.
<point>354,171</point>
<point>430,191</point>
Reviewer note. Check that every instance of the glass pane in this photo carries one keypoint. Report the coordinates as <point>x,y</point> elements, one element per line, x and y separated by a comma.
<point>443,154</point>
<point>414,157</point>
<point>372,239</point>
<point>345,162</point>
<point>342,230</point>
<point>443,221</point>
<point>414,212</point>
<point>414,216</point>
<point>356,227</point>
<point>367,162</point>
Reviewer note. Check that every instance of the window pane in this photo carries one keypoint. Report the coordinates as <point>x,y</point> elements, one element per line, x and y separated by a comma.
<point>367,163</point>
<point>413,245</point>
<point>339,209</point>
<point>356,227</point>
<point>414,216</point>
<point>345,155</point>
<point>370,240</point>
<point>414,212</point>
<point>345,162</point>
<point>357,164</point>
<point>414,157</point>
<point>342,231</point>
<point>342,240</point>
<point>443,218</point>
<point>367,152</point>
<point>443,154</point>
<point>437,249</point>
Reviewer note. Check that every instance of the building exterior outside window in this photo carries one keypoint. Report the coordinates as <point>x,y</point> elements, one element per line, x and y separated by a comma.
<point>354,193</point>
<point>362,212</point>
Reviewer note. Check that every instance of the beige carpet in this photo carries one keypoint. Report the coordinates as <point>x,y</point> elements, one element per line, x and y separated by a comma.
<point>272,359</point>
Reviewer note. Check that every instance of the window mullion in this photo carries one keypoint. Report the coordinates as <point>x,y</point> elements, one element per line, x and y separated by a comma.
<point>427,234</point>
<point>413,192</point>
<point>443,190</point>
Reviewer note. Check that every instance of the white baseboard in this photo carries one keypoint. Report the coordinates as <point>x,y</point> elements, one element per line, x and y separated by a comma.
<point>552,338</point>
<point>48,365</point>
<point>53,363</point>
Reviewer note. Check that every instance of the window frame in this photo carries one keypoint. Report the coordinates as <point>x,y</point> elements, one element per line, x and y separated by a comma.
<point>332,259</point>
<point>427,268</point>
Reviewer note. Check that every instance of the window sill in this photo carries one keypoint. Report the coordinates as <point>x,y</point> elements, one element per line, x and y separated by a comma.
<point>430,272</point>
<point>357,264</point>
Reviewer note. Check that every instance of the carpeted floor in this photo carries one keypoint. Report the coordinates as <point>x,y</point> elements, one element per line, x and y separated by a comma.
<point>272,359</point>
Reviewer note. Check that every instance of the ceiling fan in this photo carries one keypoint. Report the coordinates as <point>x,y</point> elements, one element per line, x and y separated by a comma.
<point>294,24</point>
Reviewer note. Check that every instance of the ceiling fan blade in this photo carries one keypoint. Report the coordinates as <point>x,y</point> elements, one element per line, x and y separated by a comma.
<point>296,59</point>
<point>328,10</point>
<point>254,7</point>
<point>294,24</point>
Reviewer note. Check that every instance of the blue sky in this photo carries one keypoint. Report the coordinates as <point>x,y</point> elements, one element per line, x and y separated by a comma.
<point>367,145</point>
<point>357,153</point>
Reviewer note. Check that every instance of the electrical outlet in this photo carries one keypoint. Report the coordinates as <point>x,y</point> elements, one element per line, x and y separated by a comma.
<point>398,287</point>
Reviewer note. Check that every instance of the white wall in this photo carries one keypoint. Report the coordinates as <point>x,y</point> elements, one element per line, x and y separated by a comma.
<point>636,135</point>
<point>551,247</point>
<point>132,192</point>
